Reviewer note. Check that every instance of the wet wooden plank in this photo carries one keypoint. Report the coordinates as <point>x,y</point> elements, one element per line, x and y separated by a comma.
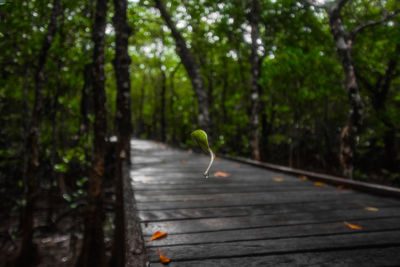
<point>263,209</point>
<point>278,246</point>
<point>244,201</point>
<point>229,223</point>
<point>368,257</point>
<point>264,233</point>
<point>261,196</point>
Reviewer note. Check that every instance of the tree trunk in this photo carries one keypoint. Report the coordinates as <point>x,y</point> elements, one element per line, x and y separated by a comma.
<point>93,249</point>
<point>124,125</point>
<point>163,110</point>
<point>27,254</point>
<point>190,64</point>
<point>171,103</point>
<point>87,84</point>
<point>255,74</point>
<point>349,133</point>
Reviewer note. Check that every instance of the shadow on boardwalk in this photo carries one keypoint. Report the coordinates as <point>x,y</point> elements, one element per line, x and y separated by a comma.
<point>251,218</point>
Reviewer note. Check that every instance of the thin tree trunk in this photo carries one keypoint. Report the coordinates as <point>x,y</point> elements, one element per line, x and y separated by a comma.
<point>255,74</point>
<point>27,254</point>
<point>171,103</point>
<point>140,124</point>
<point>190,64</point>
<point>87,84</point>
<point>93,249</point>
<point>225,85</point>
<point>349,133</point>
<point>163,110</point>
<point>124,125</point>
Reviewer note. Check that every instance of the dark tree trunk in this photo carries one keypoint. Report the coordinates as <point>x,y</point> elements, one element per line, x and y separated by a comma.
<point>171,103</point>
<point>93,249</point>
<point>27,254</point>
<point>163,110</point>
<point>344,44</point>
<point>87,87</point>
<point>121,62</point>
<point>140,124</point>
<point>53,153</point>
<point>254,17</point>
<point>225,85</point>
<point>191,66</point>
<point>124,125</point>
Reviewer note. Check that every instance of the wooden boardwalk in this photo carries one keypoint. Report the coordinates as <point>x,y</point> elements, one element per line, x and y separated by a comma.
<point>255,217</point>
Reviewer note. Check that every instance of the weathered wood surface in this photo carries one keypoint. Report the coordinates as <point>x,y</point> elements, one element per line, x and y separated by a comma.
<point>252,219</point>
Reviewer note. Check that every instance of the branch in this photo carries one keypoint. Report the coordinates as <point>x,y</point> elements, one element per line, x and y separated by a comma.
<point>371,23</point>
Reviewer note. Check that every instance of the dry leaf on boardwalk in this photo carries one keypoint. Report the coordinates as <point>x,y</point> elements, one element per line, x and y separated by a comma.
<point>157,235</point>
<point>163,259</point>
<point>371,209</point>
<point>183,161</point>
<point>340,186</point>
<point>278,180</point>
<point>319,184</point>
<point>221,174</point>
<point>353,226</point>
<point>303,177</point>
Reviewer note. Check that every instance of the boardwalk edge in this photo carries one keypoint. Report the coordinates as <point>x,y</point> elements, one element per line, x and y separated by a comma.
<point>375,189</point>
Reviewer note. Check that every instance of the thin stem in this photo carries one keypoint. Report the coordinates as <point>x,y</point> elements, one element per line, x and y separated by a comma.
<point>209,165</point>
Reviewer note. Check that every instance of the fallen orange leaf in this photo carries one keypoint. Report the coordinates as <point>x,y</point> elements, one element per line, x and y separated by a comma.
<point>340,186</point>
<point>183,161</point>
<point>353,226</point>
<point>145,181</point>
<point>163,259</point>
<point>221,174</point>
<point>303,177</point>
<point>157,235</point>
<point>278,180</point>
<point>371,209</point>
<point>318,184</point>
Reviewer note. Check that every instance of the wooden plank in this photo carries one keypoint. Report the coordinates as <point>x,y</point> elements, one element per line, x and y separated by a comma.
<point>226,196</point>
<point>352,257</point>
<point>244,201</point>
<point>171,190</point>
<point>264,233</point>
<point>197,177</point>
<point>261,196</point>
<point>149,185</point>
<point>229,223</point>
<point>279,208</point>
<point>276,246</point>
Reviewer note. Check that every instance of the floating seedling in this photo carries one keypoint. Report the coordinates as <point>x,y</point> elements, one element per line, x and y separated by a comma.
<point>200,137</point>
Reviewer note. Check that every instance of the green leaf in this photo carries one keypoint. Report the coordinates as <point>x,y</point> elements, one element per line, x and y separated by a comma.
<point>200,137</point>
<point>61,167</point>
